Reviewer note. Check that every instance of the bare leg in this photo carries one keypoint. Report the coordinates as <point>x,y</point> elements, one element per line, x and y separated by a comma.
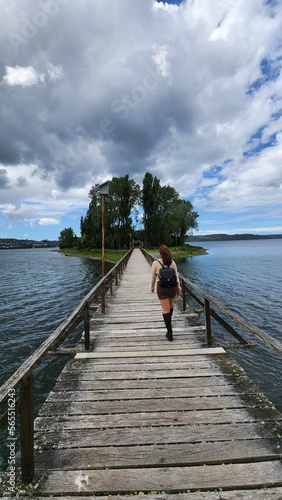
<point>166,305</point>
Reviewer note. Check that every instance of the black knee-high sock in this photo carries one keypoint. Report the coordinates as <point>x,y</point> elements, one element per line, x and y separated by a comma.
<point>167,320</point>
<point>171,311</point>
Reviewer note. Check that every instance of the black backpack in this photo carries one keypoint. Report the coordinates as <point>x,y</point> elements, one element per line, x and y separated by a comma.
<point>167,276</point>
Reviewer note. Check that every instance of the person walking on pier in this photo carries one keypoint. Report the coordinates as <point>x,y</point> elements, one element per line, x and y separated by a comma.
<point>166,292</point>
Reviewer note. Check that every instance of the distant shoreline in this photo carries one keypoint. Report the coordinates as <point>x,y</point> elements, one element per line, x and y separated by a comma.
<point>13,243</point>
<point>233,237</point>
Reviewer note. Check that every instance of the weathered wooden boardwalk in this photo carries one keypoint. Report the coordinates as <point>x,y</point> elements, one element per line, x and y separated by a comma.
<point>140,414</point>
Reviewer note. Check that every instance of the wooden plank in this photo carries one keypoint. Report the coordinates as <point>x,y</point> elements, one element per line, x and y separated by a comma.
<point>180,404</point>
<point>167,479</point>
<point>192,372</point>
<point>183,333</point>
<point>149,333</point>
<point>158,454</point>
<point>151,374</point>
<point>54,420</point>
<point>104,348</point>
<point>132,394</point>
<point>90,370</point>
<point>199,384</point>
<point>265,493</point>
<point>151,340</point>
<point>131,365</point>
<point>136,347</point>
<point>68,438</point>
<point>148,353</point>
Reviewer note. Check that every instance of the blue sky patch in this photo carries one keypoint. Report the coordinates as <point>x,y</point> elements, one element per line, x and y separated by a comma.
<point>270,71</point>
<point>256,143</point>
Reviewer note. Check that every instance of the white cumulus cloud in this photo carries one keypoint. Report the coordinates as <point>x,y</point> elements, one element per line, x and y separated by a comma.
<point>25,76</point>
<point>48,221</point>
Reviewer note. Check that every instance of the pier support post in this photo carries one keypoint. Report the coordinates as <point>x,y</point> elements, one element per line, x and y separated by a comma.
<point>103,299</point>
<point>86,328</point>
<point>27,429</point>
<point>208,322</point>
<point>183,293</point>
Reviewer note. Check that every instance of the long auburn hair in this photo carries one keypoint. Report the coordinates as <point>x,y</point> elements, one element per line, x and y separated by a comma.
<point>165,255</point>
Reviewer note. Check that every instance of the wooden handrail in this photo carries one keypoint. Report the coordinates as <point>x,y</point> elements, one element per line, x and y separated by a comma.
<point>23,376</point>
<point>206,300</point>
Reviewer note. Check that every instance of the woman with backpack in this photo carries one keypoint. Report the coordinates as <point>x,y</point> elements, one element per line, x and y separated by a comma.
<point>164,271</point>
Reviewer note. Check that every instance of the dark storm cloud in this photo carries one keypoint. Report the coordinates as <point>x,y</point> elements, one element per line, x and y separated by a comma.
<point>95,88</point>
<point>114,89</point>
<point>110,90</point>
<point>4,182</point>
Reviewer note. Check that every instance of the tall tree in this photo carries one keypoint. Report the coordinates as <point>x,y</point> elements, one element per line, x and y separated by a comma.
<point>90,225</point>
<point>67,238</point>
<point>124,194</point>
<point>167,218</point>
<point>183,219</point>
<point>150,202</point>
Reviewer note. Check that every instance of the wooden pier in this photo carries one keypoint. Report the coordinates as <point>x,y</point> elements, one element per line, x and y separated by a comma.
<point>141,415</point>
<point>138,415</point>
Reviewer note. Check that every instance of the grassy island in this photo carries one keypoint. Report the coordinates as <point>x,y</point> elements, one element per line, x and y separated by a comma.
<point>180,252</point>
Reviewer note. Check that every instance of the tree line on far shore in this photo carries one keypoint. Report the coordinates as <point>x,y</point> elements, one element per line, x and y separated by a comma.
<point>153,214</point>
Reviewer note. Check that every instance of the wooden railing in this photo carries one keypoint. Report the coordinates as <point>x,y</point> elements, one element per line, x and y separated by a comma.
<point>22,380</point>
<point>188,288</point>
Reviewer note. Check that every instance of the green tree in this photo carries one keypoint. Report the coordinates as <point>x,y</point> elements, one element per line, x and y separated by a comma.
<point>150,202</point>
<point>90,225</point>
<point>168,199</point>
<point>67,238</point>
<point>167,218</point>
<point>124,194</point>
<point>183,219</point>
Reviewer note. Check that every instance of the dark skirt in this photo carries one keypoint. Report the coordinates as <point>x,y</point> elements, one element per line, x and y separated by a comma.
<point>166,293</point>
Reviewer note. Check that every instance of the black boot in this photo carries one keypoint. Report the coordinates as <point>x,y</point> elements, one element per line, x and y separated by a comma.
<point>167,320</point>
<point>171,311</point>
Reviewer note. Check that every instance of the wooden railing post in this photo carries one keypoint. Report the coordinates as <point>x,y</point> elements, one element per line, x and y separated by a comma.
<point>103,298</point>
<point>27,429</point>
<point>183,293</point>
<point>86,328</point>
<point>208,322</point>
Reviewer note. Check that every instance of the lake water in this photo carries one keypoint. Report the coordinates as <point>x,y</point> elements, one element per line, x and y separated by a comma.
<point>41,287</point>
<point>246,276</point>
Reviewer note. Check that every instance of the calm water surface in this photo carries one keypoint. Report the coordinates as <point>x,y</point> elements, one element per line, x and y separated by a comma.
<point>39,289</point>
<point>246,276</point>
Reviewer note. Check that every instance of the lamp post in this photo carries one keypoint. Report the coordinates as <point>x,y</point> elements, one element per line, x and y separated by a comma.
<point>103,189</point>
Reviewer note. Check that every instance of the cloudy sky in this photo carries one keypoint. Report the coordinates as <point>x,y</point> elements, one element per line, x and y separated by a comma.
<point>190,91</point>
